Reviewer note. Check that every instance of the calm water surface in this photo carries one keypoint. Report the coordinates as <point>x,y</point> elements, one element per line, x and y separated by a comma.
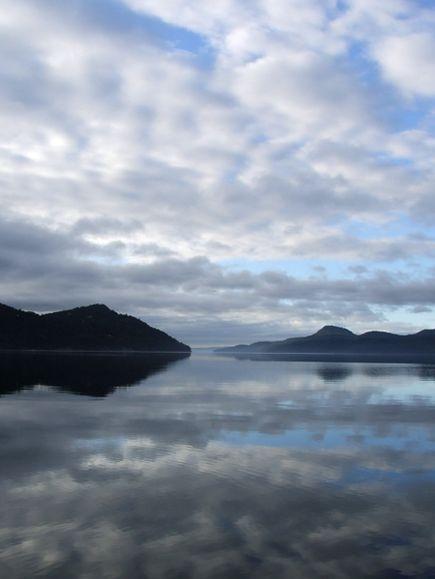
<point>213,467</point>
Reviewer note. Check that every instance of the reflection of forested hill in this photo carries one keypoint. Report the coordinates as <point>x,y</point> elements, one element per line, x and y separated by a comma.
<point>86,374</point>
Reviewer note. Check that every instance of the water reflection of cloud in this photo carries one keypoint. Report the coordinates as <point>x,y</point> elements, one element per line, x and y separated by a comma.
<point>220,512</point>
<point>144,484</point>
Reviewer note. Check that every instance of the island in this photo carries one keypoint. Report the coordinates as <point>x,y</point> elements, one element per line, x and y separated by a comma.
<point>335,340</point>
<point>87,328</point>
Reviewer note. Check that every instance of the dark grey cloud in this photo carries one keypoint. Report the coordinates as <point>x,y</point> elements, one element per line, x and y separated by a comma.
<point>47,269</point>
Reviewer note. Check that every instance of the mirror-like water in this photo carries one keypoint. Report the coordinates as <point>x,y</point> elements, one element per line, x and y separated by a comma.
<point>215,467</point>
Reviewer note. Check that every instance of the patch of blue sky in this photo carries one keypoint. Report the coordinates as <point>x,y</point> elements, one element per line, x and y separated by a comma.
<point>386,158</point>
<point>338,9</point>
<point>405,224</point>
<point>425,4</point>
<point>364,230</point>
<point>333,267</point>
<point>410,115</point>
<point>295,266</point>
<point>360,61</point>
<point>402,225</point>
<point>397,110</point>
<point>116,17</point>
<point>406,315</point>
<point>401,112</point>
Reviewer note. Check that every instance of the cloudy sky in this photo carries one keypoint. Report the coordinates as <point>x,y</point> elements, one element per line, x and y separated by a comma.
<point>228,170</point>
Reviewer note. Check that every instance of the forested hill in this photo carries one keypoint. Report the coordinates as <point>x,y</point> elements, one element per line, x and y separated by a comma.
<point>94,327</point>
<point>336,340</point>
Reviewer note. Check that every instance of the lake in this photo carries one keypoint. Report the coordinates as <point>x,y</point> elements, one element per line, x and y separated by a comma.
<point>215,467</point>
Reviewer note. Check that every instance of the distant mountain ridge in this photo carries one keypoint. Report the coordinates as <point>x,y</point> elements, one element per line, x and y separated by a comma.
<point>94,327</point>
<point>336,340</point>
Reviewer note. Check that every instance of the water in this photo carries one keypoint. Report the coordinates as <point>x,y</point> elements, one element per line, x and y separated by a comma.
<point>214,467</point>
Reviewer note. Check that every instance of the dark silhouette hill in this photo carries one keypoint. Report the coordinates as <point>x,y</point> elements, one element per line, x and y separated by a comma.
<point>89,374</point>
<point>95,327</point>
<point>335,340</point>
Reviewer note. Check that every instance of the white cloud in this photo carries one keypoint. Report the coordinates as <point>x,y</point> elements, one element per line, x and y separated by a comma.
<point>255,132</point>
<point>407,62</point>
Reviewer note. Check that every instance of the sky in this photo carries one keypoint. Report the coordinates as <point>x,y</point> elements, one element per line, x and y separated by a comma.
<point>227,170</point>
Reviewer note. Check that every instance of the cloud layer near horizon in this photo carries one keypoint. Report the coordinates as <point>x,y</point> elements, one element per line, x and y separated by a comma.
<point>228,171</point>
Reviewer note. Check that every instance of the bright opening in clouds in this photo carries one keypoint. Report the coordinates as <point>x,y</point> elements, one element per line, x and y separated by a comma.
<point>227,170</point>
